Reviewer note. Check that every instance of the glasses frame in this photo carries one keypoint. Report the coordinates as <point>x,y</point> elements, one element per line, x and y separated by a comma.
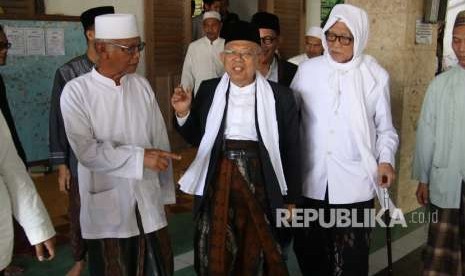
<point>242,55</point>
<point>343,40</point>
<point>129,49</point>
<point>268,40</point>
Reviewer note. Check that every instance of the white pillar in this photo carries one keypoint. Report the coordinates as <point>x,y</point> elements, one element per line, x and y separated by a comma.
<point>313,13</point>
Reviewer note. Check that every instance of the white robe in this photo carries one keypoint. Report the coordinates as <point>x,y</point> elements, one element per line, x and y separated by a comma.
<point>108,128</point>
<point>19,197</point>
<point>346,118</point>
<point>331,154</point>
<point>298,59</point>
<point>202,62</point>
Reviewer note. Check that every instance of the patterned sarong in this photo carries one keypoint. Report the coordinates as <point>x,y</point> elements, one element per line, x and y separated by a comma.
<point>235,237</point>
<point>444,250</point>
<point>143,255</point>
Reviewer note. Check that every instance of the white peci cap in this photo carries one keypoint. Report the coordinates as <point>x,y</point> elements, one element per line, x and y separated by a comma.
<point>116,26</point>
<point>315,31</point>
<point>212,14</point>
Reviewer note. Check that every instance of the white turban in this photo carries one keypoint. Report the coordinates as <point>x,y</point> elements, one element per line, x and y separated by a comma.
<point>315,32</point>
<point>116,26</point>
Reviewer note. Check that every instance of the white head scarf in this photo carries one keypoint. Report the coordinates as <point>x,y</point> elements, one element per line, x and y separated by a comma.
<point>356,20</point>
<point>359,82</point>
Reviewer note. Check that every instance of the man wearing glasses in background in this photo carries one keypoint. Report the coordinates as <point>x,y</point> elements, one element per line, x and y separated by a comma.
<point>61,154</point>
<point>115,128</point>
<point>271,66</point>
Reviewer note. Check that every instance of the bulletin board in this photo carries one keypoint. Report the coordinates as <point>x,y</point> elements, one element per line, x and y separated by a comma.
<point>29,80</point>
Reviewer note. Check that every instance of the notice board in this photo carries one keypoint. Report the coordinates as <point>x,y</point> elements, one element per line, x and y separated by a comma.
<point>29,80</point>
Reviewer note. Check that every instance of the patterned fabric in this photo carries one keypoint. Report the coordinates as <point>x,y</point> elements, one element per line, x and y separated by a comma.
<point>142,255</point>
<point>234,236</point>
<point>445,246</point>
<point>333,251</point>
<point>78,245</point>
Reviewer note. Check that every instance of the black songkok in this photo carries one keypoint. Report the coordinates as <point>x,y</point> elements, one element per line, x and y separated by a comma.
<point>266,20</point>
<point>242,30</point>
<point>88,17</point>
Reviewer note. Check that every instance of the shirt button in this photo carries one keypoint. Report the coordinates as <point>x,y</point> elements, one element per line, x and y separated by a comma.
<point>331,131</point>
<point>336,112</point>
<point>329,152</point>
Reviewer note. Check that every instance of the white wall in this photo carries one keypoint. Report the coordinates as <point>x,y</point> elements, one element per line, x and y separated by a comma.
<point>76,7</point>
<point>313,16</point>
<point>244,8</point>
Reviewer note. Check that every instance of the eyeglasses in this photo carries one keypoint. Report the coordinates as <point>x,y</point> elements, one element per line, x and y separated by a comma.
<point>344,40</point>
<point>268,40</point>
<point>129,49</point>
<point>241,54</point>
<point>5,45</point>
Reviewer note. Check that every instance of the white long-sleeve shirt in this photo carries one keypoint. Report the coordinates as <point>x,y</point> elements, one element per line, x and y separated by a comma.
<point>202,62</point>
<point>330,156</point>
<point>108,128</point>
<point>19,197</point>
<point>240,116</point>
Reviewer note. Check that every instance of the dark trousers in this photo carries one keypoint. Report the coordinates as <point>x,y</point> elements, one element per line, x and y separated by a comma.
<point>78,245</point>
<point>333,251</point>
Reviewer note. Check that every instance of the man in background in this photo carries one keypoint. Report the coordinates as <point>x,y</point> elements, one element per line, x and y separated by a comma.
<point>313,46</point>
<point>202,61</point>
<point>197,21</point>
<point>271,66</point>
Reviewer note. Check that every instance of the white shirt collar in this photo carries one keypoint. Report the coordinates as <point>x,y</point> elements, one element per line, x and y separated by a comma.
<point>105,80</point>
<point>273,71</point>
<point>248,89</point>
<point>216,41</point>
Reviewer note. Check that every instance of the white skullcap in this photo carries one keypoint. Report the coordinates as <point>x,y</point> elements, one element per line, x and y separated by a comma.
<point>116,26</point>
<point>314,31</point>
<point>212,14</point>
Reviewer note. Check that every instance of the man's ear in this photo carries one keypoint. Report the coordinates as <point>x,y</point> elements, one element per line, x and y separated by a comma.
<point>90,34</point>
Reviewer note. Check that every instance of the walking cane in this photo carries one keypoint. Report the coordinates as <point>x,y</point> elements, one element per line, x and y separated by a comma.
<point>387,220</point>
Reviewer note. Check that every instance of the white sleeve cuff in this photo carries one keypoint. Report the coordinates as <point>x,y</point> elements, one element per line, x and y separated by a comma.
<point>140,153</point>
<point>387,157</point>
<point>182,120</point>
<point>40,233</point>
